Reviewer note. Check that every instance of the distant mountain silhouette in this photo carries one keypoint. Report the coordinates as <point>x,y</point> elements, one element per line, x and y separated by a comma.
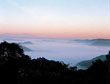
<point>8,36</point>
<point>26,42</point>
<point>96,42</point>
<point>25,48</point>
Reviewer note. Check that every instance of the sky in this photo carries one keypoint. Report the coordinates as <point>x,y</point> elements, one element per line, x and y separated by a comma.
<point>56,18</point>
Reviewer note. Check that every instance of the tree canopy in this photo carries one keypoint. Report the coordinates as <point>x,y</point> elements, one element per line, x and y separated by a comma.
<point>18,68</point>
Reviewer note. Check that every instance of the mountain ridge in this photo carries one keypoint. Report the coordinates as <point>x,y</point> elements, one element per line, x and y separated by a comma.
<point>87,63</point>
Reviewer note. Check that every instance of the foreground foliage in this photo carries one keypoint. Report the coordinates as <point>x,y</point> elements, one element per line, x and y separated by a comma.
<point>18,68</point>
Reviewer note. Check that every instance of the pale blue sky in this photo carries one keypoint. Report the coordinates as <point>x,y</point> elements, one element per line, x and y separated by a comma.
<point>63,8</point>
<point>54,13</point>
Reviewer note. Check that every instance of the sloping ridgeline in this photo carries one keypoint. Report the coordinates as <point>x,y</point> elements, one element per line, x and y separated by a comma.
<point>95,42</point>
<point>87,63</point>
<point>18,68</point>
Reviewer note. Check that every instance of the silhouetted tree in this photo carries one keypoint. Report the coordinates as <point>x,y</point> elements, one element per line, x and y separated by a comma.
<point>10,50</point>
<point>18,68</point>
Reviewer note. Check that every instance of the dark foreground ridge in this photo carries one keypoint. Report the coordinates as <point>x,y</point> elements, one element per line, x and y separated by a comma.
<point>18,68</point>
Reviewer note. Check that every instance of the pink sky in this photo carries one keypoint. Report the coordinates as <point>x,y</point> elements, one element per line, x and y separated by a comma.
<point>88,31</point>
<point>56,18</point>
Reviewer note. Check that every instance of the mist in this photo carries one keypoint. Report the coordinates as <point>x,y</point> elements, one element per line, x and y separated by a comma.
<point>67,50</point>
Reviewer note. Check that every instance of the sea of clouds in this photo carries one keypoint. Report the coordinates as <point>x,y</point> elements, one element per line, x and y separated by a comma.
<point>66,50</point>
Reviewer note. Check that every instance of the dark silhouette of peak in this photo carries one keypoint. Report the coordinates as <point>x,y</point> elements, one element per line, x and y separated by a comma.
<point>27,42</point>
<point>96,42</point>
<point>26,49</point>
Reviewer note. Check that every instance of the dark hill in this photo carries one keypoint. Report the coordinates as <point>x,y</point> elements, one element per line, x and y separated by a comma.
<point>87,63</point>
<point>18,68</point>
